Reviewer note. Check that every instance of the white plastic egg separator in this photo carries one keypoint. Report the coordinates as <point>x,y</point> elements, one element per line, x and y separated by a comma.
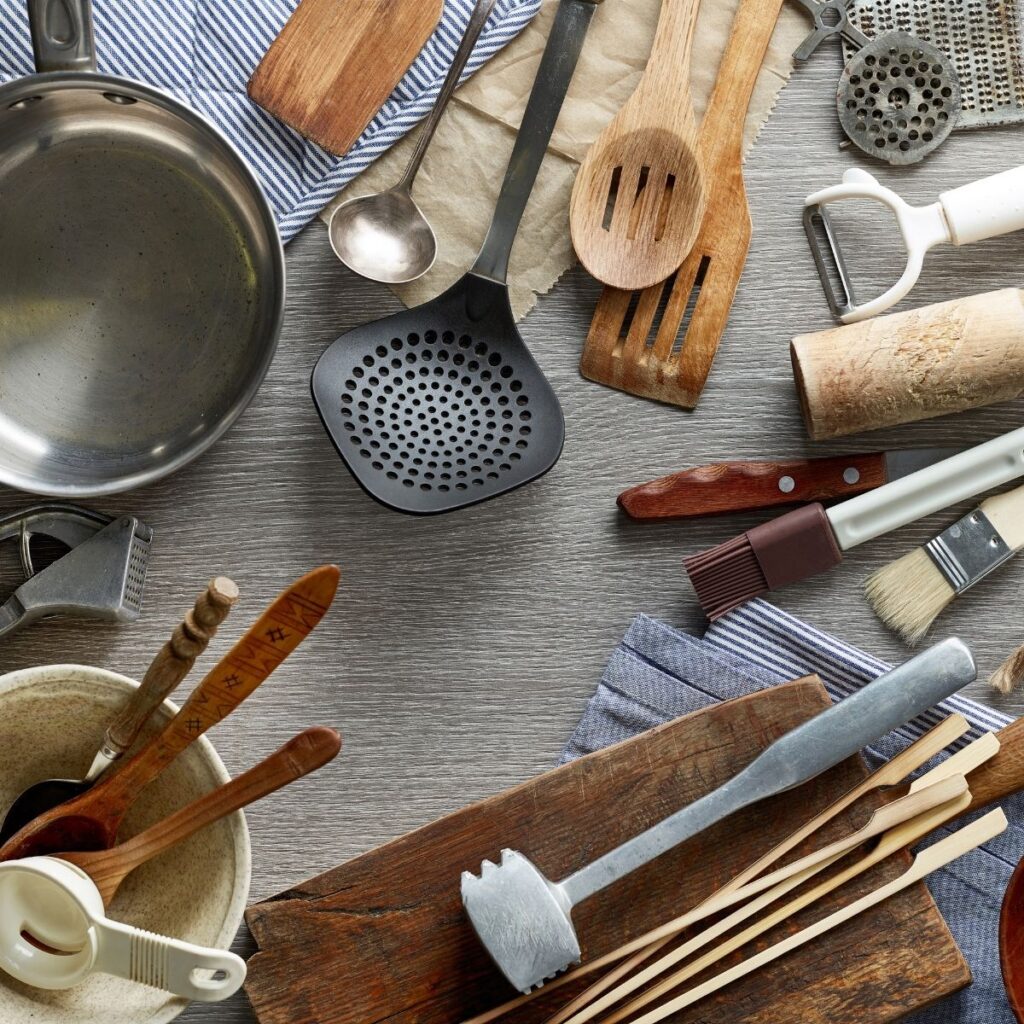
<point>982,209</point>
<point>54,933</point>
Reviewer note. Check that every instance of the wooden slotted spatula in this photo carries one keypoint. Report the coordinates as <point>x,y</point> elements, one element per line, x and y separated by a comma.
<point>670,366</point>
<point>639,196</point>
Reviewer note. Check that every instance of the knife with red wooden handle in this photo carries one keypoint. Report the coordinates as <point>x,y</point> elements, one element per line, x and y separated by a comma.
<point>749,486</point>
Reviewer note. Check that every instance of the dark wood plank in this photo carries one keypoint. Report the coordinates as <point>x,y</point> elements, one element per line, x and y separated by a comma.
<point>384,937</point>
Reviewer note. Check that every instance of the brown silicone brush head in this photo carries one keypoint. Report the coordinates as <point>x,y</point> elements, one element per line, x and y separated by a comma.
<point>793,547</point>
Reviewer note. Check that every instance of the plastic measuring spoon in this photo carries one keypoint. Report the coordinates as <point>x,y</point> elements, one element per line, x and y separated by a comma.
<point>54,934</point>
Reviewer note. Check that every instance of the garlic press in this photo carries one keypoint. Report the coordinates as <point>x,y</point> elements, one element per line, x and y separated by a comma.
<point>983,209</point>
<point>102,576</point>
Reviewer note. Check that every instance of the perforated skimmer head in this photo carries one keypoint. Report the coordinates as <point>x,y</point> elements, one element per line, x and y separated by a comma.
<point>898,98</point>
<point>441,406</point>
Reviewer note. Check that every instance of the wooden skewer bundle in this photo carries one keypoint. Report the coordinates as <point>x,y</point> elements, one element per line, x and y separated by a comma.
<point>932,800</point>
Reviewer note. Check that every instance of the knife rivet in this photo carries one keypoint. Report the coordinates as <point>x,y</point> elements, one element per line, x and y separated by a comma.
<point>786,484</point>
<point>851,475</point>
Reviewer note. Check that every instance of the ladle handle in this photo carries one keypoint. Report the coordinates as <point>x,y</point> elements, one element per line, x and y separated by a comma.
<point>165,963</point>
<point>542,109</point>
<point>62,35</point>
<point>172,663</point>
<point>477,20</point>
<point>287,621</point>
<point>301,755</point>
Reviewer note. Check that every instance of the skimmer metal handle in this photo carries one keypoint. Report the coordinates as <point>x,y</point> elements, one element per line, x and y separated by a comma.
<point>542,109</point>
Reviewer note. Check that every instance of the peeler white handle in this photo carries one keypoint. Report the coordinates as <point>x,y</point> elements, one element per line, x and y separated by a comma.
<point>985,208</point>
<point>167,964</point>
<point>904,501</point>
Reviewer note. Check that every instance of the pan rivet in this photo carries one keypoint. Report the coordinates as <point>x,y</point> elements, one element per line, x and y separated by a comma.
<point>851,475</point>
<point>786,484</point>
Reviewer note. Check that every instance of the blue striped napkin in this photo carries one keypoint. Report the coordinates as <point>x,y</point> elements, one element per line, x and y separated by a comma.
<point>203,52</point>
<point>658,673</point>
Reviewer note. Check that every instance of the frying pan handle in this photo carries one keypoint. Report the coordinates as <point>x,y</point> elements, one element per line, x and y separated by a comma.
<point>62,35</point>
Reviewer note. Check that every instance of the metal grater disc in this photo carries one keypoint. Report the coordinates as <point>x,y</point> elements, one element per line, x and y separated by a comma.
<point>898,98</point>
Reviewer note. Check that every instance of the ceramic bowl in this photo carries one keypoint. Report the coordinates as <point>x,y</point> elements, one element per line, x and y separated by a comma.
<point>52,721</point>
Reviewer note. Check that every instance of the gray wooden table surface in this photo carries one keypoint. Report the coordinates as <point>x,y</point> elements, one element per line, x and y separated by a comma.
<point>461,649</point>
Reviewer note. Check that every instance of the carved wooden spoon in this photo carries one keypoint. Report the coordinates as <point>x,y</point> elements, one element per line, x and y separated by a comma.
<point>91,821</point>
<point>639,196</point>
<point>301,755</point>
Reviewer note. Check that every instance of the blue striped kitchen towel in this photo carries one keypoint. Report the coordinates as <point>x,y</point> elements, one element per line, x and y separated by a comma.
<point>203,53</point>
<point>658,673</point>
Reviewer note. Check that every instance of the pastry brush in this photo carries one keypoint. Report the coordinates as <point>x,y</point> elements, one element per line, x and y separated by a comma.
<point>908,594</point>
<point>811,539</point>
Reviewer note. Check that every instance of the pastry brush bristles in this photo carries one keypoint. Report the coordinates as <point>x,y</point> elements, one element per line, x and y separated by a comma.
<point>1008,676</point>
<point>908,594</point>
<point>726,576</point>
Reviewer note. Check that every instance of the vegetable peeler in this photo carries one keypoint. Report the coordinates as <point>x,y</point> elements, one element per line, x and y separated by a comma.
<point>983,209</point>
<point>101,577</point>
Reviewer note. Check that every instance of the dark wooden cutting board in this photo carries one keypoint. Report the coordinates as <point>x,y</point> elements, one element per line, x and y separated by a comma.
<point>384,937</point>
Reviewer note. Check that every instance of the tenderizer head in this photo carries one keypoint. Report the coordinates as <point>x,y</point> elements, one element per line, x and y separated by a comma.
<point>522,919</point>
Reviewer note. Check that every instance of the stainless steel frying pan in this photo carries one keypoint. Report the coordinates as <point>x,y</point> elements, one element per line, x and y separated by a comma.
<point>141,274</point>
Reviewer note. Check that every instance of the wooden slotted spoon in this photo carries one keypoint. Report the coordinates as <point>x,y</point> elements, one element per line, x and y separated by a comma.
<point>647,157</point>
<point>643,353</point>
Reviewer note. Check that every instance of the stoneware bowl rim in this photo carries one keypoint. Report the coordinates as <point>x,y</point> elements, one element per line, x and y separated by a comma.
<point>19,678</point>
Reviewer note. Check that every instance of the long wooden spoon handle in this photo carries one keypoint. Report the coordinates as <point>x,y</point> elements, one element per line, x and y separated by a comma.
<point>670,52</point>
<point>301,755</point>
<point>288,620</point>
<point>173,662</point>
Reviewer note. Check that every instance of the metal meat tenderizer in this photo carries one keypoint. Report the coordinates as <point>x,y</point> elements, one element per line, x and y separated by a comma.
<point>443,406</point>
<point>101,577</point>
<point>524,919</point>
<point>983,209</point>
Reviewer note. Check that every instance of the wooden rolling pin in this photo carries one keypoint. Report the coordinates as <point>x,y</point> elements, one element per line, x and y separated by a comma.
<point>911,366</point>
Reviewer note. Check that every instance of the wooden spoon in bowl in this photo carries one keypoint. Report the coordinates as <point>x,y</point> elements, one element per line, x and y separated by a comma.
<point>91,821</point>
<point>639,196</point>
<point>301,755</point>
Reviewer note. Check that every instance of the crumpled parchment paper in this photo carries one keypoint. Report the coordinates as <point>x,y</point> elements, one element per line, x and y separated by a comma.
<point>459,181</point>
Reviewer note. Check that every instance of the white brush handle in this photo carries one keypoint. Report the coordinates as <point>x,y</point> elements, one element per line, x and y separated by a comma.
<point>985,208</point>
<point>1006,513</point>
<point>904,501</point>
<point>167,964</point>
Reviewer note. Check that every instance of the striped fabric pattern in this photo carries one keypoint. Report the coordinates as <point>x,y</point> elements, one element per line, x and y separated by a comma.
<point>203,51</point>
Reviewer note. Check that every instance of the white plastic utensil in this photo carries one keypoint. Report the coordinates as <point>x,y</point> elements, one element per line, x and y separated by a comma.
<point>54,933</point>
<point>983,209</point>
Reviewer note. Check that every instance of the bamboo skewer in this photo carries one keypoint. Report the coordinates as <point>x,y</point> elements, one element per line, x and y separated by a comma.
<point>648,945</point>
<point>929,860</point>
<point>890,774</point>
<point>947,795</point>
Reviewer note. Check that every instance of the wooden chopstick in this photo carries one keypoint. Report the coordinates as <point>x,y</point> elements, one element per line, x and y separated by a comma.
<point>891,773</point>
<point>928,860</point>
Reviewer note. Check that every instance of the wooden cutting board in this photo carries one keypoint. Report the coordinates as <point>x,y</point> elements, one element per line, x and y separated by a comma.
<point>384,937</point>
<point>337,61</point>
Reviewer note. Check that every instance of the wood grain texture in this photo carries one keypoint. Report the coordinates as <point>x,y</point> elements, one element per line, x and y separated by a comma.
<point>913,365</point>
<point>646,167</point>
<point>363,925</point>
<point>467,646</point>
<point>750,486</point>
<point>645,354</point>
<point>337,61</point>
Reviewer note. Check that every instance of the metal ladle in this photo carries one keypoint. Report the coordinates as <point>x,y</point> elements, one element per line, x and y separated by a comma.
<point>385,236</point>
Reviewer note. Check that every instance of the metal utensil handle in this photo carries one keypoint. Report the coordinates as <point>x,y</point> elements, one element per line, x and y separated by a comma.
<point>62,35</point>
<point>477,20</point>
<point>802,753</point>
<point>542,109</point>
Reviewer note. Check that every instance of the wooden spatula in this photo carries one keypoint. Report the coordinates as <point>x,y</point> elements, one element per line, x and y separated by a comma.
<point>91,821</point>
<point>646,158</point>
<point>672,366</point>
<point>337,61</point>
